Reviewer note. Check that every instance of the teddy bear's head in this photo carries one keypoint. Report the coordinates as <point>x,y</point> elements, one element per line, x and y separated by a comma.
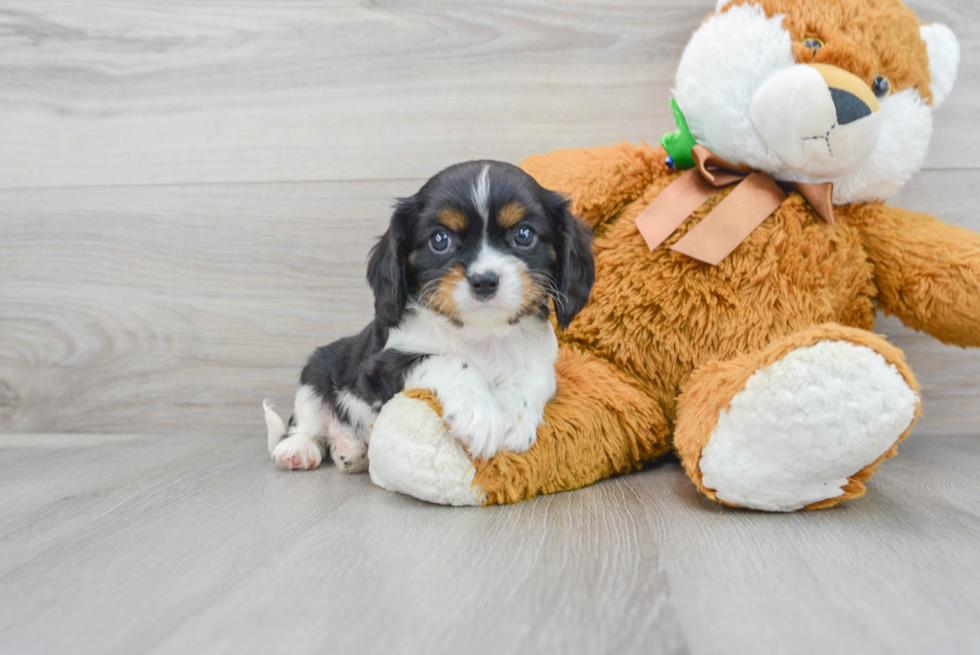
<point>835,91</point>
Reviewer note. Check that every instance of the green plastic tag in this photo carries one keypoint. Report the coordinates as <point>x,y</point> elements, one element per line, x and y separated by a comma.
<point>679,143</point>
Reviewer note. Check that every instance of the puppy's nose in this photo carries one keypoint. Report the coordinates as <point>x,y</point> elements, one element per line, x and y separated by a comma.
<point>484,285</point>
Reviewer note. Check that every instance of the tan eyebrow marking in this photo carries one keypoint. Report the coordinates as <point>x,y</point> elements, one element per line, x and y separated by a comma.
<point>452,218</point>
<point>511,214</point>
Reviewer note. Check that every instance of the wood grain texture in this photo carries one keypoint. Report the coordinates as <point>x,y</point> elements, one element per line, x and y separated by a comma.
<point>199,544</point>
<point>894,572</point>
<point>188,191</point>
<point>157,307</point>
<point>163,92</point>
<point>177,309</point>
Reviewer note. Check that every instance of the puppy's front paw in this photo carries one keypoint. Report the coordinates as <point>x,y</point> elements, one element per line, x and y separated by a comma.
<point>297,453</point>
<point>349,454</point>
<point>520,430</point>
<point>477,423</point>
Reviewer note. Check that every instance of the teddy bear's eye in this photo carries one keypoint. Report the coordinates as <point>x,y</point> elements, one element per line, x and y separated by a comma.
<point>813,43</point>
<point>881,86</point>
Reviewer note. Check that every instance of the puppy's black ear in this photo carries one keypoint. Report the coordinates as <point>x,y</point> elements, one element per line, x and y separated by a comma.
<point>574,266</point>
<point>387,265</point>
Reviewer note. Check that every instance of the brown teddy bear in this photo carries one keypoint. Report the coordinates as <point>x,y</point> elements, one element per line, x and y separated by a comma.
<point>730,320</point>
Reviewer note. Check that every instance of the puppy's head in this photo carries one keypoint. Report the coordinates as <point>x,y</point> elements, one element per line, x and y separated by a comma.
<point>483,244</point>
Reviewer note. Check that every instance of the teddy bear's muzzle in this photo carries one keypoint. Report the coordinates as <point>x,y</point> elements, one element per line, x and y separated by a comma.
<point>818,119</point>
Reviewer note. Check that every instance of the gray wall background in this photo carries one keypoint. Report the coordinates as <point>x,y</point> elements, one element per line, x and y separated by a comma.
<point>188,190</point>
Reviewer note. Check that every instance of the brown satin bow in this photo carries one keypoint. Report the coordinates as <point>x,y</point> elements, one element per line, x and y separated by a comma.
<point>755,198</point>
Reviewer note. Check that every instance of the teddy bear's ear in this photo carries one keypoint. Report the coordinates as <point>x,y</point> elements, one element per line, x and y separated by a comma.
<point>944,59</point>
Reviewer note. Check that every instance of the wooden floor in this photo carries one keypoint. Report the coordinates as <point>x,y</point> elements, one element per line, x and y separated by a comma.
<point>188,190</point>
<point>197,544</point>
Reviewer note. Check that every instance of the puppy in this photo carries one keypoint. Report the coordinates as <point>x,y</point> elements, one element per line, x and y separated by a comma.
<point>462,281</point>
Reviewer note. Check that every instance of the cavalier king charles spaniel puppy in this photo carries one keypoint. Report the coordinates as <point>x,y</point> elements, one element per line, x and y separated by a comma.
<point>462,281</point>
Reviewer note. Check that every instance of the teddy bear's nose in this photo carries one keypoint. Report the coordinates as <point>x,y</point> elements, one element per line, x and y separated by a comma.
<point>849,107</point>
<point>853,98</point>
<point>818,119</point>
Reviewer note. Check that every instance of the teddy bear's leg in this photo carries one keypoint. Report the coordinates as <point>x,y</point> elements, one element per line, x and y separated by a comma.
<point>799,424</point>
<point>598,425</point>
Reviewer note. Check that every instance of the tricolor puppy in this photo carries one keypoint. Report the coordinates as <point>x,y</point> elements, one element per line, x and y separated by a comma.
<point>462,281</point>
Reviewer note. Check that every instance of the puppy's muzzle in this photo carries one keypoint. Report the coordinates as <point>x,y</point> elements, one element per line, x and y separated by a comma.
<point>484,285</point>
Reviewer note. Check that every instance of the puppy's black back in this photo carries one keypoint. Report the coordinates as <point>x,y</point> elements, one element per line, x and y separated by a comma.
<point>358,364</point>
<point>336,366</point>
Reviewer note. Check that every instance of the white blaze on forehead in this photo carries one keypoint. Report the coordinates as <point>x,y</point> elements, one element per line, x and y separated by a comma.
<point>481,193</point>
<point>490,259</point>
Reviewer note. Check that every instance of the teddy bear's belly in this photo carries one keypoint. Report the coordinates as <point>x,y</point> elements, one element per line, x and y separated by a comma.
<point>659,315</point>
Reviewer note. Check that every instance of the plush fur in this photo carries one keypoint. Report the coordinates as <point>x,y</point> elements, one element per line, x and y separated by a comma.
<point>760,373</point>
<point>740,54</point>
<point>443,474</point>
<point>766,430</point>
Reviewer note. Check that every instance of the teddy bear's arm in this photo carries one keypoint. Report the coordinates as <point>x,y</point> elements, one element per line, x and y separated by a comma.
<point>600,181</point>
<point>927,273</point>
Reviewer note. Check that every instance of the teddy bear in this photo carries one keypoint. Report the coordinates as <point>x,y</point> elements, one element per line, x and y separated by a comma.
<point>739,266</point>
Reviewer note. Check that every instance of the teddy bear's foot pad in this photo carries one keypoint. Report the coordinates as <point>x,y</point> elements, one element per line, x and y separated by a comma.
<point>412,453</point>
<point>801,426</point>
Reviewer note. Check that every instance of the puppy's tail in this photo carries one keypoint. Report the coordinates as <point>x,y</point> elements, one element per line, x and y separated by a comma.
<point>274,424</point>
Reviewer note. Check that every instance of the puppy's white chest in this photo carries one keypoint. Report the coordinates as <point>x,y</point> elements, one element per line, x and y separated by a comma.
<point>493,383</point>
<point>498,353</point>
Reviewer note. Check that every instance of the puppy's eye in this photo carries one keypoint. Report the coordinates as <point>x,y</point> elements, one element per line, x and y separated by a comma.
<point>881,86</point>
<point>525,237</point>
<point>813,43</point>
<point>440,242</point>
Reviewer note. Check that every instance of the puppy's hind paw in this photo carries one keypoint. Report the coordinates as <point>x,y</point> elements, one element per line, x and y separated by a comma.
<point>349,454</point>
<point>297,453</point>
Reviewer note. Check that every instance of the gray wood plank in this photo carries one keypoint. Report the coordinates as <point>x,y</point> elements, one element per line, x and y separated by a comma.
<point>161,306</point>
<point>199,544</point>
<point>164,302</point>
<point>161,92</point>
<point>895,572</point>
<point>210,548</point>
